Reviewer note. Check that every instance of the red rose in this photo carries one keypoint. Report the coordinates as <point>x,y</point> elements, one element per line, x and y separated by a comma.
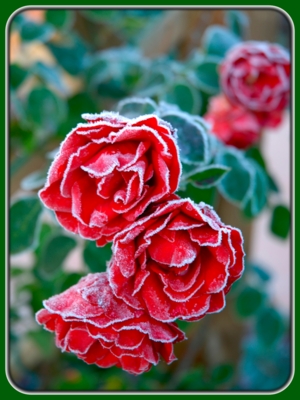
<point>100,329</point>
<point>257,76</point>
<point>232,124</point>
<point>108,171</point>
<point>177,262</point>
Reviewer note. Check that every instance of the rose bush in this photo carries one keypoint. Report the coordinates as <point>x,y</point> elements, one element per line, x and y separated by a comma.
<point>233,124</point>
<point>108,171</point>
<point>100,329</point>
<point>256,75</point>
<point>179,261</point>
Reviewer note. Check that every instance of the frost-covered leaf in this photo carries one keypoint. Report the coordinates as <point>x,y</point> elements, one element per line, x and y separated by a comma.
<point>236,185</point>
<point>30,31</point>
<point>206,76</point>
<point>184,95</point>
<point>217,40</point>
<point>35,180</point>
<point>208,196</point>
<point>49,74</point>
<point>154,83</point>
<point>23,224</point>
<point>192,138</point>
<point>280,222</point>
<point>207,177</point>
<point>70,56</point>
<point>259,189</point>
<point>237,21</point>
<point>135,107</point>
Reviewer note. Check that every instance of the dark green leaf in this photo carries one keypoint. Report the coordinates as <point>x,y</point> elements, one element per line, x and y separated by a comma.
<point>35,180</point>
<point>24,215</point>
<point>44,233</point>
<point>249,301</point>
<point>273,187</point>
<point>153,84</point>
<point>259,188</point>
<point>235,185</point>
<point>208,177</point>
<point>207,76</point>
<point>96,257</point>
<point>70,57</point>
<point>185,96</point>
<point>45,109</point>
<point>208,196</point>
<point>261,273</point>
<point>14,271</point>
<point>269,326</point>
<point>17,75</point>
<point>255,154</point>
<point>192,138</point>
<point>68,280</point>
<point>50,74</point>
<point>222,373</point>
<point>61,19</point>
<point>135,107</point>
<point>32,31</point>
<point>280,223</point>
<point>237,22</point>
<point>217,40</point>
<point>54,253</point>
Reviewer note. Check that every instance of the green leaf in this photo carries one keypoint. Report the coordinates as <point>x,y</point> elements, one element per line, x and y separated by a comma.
<point>153,84</point>
<point>61,19</point>
<point>31,31</point>
<point>96,257</point>
<point>68,280</point>
<point>236,184</point>
<point>249,301</point>
<point>208,196</point>
<point>14,271</point>
<point>280,222</point>
<point>208,177</point>
<point>49,74</point>
<point>185,96</point>
<point>192,138</point>
<point>255,154</point>
<point>135,107</point>
<point>45,109</point>
<point>207,76</point>
<point>35,180</point>
<point>269,326</point>
<point>259,189</point>
<point>222,373</point>
<point>54,252</point>
<point>273,187</point>
<point>261,273</point>
<point>24,216</point>
<point>237,22</point>
<point>17,75</point>
<point>217,40</point>
<point>71,56</point>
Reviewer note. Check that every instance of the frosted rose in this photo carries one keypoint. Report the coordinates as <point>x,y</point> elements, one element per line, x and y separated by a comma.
<point>100,329</point>
<point>257,76</point>
<point>108,171</point>
<point>232,124</point>
<point>177,262</point>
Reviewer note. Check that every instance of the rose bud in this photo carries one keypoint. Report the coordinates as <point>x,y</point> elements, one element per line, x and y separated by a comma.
<point>177,262</point>
<point>257,76</point>
<point>89,321</point>
<point>232,124</point>
<point>108,171</point>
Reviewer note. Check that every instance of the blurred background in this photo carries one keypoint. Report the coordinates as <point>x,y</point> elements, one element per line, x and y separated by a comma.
<point>64,62</point>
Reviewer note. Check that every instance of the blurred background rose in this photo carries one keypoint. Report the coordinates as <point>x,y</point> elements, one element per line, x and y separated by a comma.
<point>67,62</point>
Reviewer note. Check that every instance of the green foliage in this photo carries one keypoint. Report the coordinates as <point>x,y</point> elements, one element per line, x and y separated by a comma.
<point>258,197</point>
<point>208,196</point>
<point>217,40</point>
<point>31,31</point>
<point>206,76</point>
<point>184,95</point>
<point>50,75</point>
<point>237,21</point>
<point>35,180</point>
<point>17,75</point>
<point>24,216</point>
<point>60,18</point>
<point>135,107</point>
<point>96,258</point>
<point>269,326</point>
<point>54,252</point>
<point>280,223</point>
<point>207,177</point>
<point>249,301</point>
<point>222,374</point>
